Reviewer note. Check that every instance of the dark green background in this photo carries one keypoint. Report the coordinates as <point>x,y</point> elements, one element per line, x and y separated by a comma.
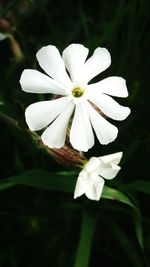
<point>42,228</point>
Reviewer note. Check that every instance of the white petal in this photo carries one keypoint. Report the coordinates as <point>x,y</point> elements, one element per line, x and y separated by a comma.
<point>74,57</point>
<point>81,184</point>
<point>54,136</point>
<point>95,190</point>
<point>114,158</point>
<point>114,86</point>
<point>89,184</point>
<point>81,134</point>
<point>105,131</point>
<point>40,114</point>
<point>109,172</point>
<point>97,63</point>
<point>109,106</point>
<point>108,167</point>
<point>51,62</point>
<point>92,164</point>
<point>33,81</point>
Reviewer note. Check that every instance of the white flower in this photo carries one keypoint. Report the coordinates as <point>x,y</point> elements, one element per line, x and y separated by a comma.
<point>90,180</point>
<point>78,98</point>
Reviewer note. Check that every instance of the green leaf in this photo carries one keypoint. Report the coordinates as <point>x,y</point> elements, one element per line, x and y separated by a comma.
<point>124,241</point>
<point>8,119</point>
<point>138,229</point>
<point>65,182</point>
<point>140,186</point>
<point>85,241</point>
<point>5,184</point>
<point>58,181</point>
<point>114,194</point>
<point>41,179</point>
<point>7,113</point>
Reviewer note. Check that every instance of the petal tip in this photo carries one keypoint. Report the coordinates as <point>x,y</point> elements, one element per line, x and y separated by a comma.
<point>105,52</point>
<point>111,138</point>
<point>22,79</point>
<point>29,120</point>
<point>75,196</point>
<point>126,113</point>
<point>120,154</point>
<point>124,86</point>
<point>49,144</point>
<point>79,148</point>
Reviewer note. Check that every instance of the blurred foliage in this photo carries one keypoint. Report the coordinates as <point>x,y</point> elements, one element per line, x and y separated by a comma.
<point>41,227</point>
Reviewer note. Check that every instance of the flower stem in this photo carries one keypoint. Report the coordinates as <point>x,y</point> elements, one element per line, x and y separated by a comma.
<point>65,156</point>
<point>16,49</point>
<point>85,242</point>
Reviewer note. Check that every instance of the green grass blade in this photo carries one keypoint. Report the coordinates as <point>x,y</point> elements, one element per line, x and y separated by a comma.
<point>124,241</point>
<point>85,242</point>
<point>113,194</point>
<point>41,179</point>
<point>138,229</point>
<point>140,186</point>
<point>58,181</point>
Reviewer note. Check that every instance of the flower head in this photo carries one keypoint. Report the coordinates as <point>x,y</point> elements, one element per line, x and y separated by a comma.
<point>68,77</point>
<point>91,179</point>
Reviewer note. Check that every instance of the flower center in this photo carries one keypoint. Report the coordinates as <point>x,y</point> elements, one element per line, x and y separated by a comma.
<point>77,91</point>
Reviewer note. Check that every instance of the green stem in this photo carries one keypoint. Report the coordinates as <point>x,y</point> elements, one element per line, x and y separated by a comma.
<point>85,242</point>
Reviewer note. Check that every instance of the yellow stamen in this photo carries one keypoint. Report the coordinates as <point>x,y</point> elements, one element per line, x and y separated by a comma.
<point>77,91</point>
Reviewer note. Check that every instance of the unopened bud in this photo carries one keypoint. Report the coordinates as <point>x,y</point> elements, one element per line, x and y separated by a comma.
<point>65,156</point>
